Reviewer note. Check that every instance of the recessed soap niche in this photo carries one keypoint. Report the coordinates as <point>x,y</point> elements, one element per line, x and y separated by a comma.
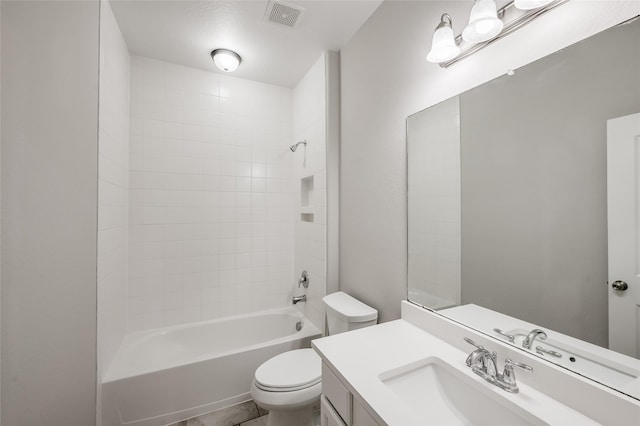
<point>306,191</point>
<point>306,199</point>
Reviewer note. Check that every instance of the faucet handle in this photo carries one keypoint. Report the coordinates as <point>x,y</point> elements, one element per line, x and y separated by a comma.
<point>508,377</point>
<point>509,337</point>
<point>511,363</point>
<point>304,279</point>
<point>471,342</point>
<point>493,354</point>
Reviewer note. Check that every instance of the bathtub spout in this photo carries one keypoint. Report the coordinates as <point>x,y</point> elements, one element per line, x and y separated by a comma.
<point>297,299</point>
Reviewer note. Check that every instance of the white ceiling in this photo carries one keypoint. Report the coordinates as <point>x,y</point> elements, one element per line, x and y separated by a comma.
<point>186,31</point>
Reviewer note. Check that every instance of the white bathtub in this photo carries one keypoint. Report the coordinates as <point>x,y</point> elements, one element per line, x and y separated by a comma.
<point>166,375</point>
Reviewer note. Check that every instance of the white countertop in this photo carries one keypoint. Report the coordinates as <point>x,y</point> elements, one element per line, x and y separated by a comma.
<point>358,357</point>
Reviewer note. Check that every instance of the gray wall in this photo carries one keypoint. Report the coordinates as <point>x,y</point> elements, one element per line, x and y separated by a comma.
<point>0,214</point>
<point>380,91</point>
<point>534,201</point>
<point>49,206</point>
<point>333,169</point>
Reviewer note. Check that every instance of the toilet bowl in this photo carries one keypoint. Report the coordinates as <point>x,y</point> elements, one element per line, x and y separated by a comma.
<point>289,385</point>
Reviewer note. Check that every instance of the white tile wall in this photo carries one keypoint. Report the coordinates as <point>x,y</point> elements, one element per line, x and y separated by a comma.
<point>309,122</point>
<point>113,187</point>
<point>212,195</point>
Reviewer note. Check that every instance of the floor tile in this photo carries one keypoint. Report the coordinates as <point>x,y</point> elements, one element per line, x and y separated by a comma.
<point>258,421</point>
<point>229,416</point>
<point>261,410</point>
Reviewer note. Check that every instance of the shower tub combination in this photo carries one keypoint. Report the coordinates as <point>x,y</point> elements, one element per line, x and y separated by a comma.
<point>162,376</point>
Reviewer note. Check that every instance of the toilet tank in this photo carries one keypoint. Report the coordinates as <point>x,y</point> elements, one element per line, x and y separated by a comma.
<point>345,313</point>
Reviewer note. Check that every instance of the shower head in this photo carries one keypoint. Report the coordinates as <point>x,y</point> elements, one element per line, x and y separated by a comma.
<point>295,146</point>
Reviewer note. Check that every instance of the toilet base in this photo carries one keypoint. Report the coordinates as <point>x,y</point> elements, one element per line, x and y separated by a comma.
<point>295,408</point>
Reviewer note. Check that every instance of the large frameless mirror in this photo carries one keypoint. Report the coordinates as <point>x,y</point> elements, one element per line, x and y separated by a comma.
<point>523,208</point>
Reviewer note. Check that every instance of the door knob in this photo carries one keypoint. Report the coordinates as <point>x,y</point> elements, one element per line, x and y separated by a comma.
<point>619,285</point>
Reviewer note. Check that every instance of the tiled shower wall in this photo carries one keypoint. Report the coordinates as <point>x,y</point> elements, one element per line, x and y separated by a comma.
<point>309,123</point>
<point>212,195</point>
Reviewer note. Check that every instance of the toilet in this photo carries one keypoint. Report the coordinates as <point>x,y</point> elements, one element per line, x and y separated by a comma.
<point>289,385</point>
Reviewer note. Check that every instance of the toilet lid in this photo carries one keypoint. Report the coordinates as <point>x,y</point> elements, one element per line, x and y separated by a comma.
<point>291,370</point>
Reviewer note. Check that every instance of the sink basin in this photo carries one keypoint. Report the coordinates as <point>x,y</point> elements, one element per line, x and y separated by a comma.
<point>444,395</point>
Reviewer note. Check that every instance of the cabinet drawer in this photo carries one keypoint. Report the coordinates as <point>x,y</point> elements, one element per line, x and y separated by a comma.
<point>328,415</point>
<point>336,393</point>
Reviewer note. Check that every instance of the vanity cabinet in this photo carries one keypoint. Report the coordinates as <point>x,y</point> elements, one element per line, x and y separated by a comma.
<point>328,415</point>
<point>338,406</point>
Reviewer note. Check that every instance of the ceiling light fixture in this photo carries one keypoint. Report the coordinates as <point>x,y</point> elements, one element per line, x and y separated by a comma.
<point>226,60</point>
<point>444,46</point>
<point>486,25</point>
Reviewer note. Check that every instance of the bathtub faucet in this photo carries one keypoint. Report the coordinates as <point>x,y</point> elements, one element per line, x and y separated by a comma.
<point>297,299</point>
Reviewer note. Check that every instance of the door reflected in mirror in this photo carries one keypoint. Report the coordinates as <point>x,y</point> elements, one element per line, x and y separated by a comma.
<point>509,228</point>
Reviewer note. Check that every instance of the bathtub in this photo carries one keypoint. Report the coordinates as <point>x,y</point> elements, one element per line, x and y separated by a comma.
<point>162,376</point>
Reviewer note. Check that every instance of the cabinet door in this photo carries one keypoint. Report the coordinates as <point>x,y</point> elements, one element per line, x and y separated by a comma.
<point>329,416</point>
<point>360,415</point>
<point>336,393</point>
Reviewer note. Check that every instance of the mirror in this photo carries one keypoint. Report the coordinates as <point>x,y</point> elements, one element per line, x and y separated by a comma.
<point>507,208</point>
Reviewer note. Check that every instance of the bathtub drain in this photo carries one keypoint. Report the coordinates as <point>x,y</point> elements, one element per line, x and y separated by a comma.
<point>298,325</point>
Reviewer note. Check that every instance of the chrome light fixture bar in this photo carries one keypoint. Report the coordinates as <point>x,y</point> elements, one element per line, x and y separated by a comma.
<point>513,19</point>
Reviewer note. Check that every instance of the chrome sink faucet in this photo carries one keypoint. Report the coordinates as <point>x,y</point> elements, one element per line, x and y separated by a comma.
<point>483,363</point>
<point>533,334</point>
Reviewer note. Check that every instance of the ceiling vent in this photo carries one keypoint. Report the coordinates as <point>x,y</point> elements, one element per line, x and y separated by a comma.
<point>283,13</point>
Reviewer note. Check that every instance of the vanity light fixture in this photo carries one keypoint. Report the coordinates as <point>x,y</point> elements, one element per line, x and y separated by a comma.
<point>531,4</point>
<point>226,60</point>
<point>444,46</point>
<point>486,25</point>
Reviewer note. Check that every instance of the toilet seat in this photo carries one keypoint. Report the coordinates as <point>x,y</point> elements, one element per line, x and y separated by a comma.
<point>290,371</point>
